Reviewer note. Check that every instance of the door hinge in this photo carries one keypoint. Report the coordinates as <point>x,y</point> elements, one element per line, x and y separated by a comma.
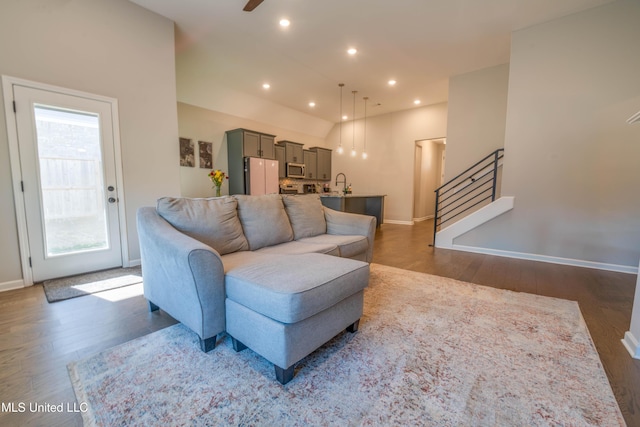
<point>22,186</point>
<point>14,107</point>
<point>30,265</point>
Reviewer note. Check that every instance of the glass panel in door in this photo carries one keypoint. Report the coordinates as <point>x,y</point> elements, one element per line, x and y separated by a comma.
<point>71,180</point>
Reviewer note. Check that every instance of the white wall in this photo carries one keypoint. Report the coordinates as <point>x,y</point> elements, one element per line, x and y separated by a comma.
<point>477,116</point>
<point>391,142</point>
<point>632,337</point>
<point>106,47</point>
<point>571,160</point>
<point>206,125</point>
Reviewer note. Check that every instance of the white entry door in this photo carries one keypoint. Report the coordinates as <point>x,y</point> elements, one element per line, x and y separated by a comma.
<point>67,160</point>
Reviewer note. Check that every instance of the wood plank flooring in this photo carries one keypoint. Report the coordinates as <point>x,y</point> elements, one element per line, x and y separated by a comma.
<point>38,339</point>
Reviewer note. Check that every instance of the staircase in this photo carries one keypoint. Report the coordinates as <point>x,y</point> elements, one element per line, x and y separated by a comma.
<point>469,191</point>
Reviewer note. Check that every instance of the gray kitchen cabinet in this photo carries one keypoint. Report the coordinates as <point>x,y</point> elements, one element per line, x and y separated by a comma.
<point>323,162</point>
<point>310,164</point>
<point>254,144</point>
<point>280,157</point>
<point>243,143</point>
<point>293,151</point>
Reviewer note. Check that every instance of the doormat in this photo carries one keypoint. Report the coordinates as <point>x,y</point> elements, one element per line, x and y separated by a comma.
<point>90,283</point>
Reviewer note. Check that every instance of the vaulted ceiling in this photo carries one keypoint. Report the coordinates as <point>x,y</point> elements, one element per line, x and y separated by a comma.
<point>417,43</point>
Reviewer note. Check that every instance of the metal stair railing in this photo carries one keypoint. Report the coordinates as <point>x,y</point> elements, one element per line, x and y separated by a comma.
<point>475,185</point>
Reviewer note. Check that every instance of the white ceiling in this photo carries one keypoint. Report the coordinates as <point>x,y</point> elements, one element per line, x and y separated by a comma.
<point>419,43</point>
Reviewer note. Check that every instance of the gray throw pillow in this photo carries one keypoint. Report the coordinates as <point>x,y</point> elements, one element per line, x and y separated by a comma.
<point>306,214</point>
<point>264,221</point>
<point>212,221</point>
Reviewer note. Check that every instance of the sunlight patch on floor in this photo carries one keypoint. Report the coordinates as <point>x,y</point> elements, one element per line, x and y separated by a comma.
<point>122,293</point>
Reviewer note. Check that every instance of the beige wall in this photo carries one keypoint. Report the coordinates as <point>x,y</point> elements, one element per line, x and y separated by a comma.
<point>571,160</point>
<point>477,117</point>
<point>106,47</point>
<point>206,125</point>
<point>391,140</point>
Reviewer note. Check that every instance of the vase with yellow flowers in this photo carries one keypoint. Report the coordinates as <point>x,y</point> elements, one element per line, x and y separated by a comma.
<point>217,177</point>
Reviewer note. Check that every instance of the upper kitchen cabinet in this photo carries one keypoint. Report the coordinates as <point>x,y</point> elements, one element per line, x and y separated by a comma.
<point>280,157</point>
<point>254,144</point>
<point>243,143</point>
<point>310,164</point>
<point>293,151</point>
<point>323,162</point>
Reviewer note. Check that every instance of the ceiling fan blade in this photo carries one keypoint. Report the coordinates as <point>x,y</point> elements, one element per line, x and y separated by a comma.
<point>252,4</point>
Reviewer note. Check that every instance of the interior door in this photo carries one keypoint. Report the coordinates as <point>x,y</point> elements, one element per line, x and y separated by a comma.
<point>67,160</point>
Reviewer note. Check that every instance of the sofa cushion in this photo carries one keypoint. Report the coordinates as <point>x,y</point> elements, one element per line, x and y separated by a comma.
<point>349,245</point>
<point>296,248</point>
<point>292,288</point>
<point>213,221</point>
<point>264,220</point>
<point>306,214</point>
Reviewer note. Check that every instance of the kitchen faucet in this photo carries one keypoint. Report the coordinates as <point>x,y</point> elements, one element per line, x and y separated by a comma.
<point>344,182</point>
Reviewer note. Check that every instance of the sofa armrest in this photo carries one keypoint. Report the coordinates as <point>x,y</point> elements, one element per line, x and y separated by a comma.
<point>344,223</point>
<point>181,275</point>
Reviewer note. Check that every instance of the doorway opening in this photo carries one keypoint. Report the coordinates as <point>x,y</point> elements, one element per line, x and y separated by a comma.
<point>429,163</point>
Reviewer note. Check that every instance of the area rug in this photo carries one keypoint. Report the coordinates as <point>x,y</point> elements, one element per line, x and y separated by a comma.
<point>90,283</point>
<point>430,351</point>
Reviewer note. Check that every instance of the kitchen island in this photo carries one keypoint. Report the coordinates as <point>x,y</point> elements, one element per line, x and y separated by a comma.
<point>355,203</point>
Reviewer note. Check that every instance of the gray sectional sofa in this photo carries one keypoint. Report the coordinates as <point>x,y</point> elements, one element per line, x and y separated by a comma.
<point>281,275</point>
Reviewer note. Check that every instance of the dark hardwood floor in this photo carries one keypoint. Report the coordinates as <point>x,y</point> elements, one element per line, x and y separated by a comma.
<point>38,339</point>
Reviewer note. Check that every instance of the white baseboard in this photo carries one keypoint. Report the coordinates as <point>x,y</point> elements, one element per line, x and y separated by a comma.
<point>631,344</point>
<point>550,259</point>
<point>393,221</point>
<point>134,263</point>
<point>424,218</point>
<point>14,284</point>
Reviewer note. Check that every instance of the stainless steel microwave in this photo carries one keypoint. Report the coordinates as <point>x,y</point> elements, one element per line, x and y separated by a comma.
<point>295,170</point>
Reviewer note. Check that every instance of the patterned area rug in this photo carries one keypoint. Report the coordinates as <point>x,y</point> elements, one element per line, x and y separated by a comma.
<point>90,283</point>
<point>430,351</point>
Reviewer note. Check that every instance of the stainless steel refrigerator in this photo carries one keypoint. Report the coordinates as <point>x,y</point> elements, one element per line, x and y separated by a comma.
<point>261,176</point>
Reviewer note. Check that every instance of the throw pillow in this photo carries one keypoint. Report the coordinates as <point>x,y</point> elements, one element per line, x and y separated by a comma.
<point>306,214</point>
<point>212,221</point>
<point>264,220</point>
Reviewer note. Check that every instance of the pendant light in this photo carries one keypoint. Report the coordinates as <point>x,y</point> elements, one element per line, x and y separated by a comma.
<point>364,144</point>
<point>353,142</point>
<point>340,143</point>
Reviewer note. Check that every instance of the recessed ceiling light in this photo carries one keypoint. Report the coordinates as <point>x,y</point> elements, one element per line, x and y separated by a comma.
<point>392,82</point>
<point>417,102</point>
<point>312,104</point>
<point>352,51</point>
<point>284,22</point>
<point>345,117</point>
<point>266,85</point>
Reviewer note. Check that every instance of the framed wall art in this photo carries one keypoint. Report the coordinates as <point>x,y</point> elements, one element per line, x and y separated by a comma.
<point>187,153</point>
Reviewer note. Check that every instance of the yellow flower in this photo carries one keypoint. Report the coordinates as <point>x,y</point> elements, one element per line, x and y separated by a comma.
<point>217,177</point>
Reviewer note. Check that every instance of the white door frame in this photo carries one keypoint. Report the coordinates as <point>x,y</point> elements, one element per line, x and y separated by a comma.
<point>16,173</point>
